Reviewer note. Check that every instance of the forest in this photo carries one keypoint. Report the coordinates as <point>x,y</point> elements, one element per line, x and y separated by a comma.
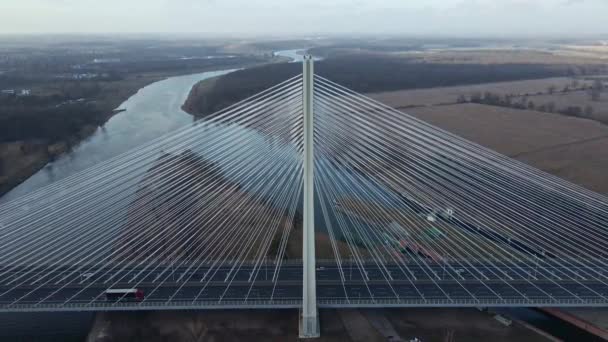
<point>49,123</point>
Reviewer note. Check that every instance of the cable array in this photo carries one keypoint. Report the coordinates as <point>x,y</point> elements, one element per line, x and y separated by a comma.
<point>409,213</point>
<point>212,204</point>
<point>417,205</point>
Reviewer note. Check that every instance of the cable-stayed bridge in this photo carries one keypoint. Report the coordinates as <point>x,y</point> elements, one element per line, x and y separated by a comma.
<point>304,195</point>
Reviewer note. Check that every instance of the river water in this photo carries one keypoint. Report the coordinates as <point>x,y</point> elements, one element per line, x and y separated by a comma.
<point>296,55</point>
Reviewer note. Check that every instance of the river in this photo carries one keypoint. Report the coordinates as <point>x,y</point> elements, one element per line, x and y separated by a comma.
<point>296,55</point>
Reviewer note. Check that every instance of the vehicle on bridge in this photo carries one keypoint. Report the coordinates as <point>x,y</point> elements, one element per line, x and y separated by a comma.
<point>408,247</point>
<point>420,250</point>
<point>128,294</point>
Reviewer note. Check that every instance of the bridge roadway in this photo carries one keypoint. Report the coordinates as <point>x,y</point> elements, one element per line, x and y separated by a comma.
<point>179,287</point>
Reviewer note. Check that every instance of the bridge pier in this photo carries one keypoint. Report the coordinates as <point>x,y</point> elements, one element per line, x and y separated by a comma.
<point>309,319</point>
<point>309,326</point>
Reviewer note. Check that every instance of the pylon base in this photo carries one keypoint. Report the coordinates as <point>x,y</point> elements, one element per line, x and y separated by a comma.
<point>309,326</point>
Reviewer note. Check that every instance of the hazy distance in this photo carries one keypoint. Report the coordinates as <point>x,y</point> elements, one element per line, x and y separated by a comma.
<point>301,17</point>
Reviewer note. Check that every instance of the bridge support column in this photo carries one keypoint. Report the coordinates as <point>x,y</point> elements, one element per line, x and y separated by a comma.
<point>309,319</point>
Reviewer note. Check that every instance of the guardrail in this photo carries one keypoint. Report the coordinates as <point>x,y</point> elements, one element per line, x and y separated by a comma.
<point>133,306</point>
<point>296,303</point>
<point>590,262</point>
<point>464,302</point>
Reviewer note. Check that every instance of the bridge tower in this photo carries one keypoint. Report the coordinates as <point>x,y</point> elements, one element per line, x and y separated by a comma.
<point>309,320</point>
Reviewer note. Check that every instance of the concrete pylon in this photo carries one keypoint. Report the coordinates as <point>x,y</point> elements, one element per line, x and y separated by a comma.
<point>309,318</point>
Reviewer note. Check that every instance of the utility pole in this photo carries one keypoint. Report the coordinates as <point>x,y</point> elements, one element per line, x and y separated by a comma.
<point>309,320</point>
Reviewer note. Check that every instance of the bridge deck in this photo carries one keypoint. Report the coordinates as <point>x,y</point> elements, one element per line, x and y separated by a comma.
<point>372,286</point>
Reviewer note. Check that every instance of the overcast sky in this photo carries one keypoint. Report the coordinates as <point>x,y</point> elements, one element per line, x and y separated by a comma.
<point>408,17</point>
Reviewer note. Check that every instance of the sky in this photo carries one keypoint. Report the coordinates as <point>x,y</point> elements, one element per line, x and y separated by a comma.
<point>308,17</point>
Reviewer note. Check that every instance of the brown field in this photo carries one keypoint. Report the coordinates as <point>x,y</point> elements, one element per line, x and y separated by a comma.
<point>510,54</point>
<point>569,147</point>
<point>585,51</point>
<point>510,131</point>
<point>584,163</point>
<point>573,148</point>
<point>444,95</point>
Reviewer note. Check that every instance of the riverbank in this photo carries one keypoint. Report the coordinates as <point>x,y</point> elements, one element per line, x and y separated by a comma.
<point>203,99</point>
<point>336,325</point>
<point>22,158</point>
<point>592,320</point>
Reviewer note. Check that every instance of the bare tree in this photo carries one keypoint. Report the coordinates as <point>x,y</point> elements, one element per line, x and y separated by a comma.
<point>491,98</point>
<point>449,336</point>
<point>596,90</point>
<point>594,93</point>
<point>196,329</point>
<point>572,111</point>
<point>476,97</point>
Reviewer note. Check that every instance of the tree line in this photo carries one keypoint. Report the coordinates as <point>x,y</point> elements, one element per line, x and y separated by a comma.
<point>523,102</point>
<point>373,73</point>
